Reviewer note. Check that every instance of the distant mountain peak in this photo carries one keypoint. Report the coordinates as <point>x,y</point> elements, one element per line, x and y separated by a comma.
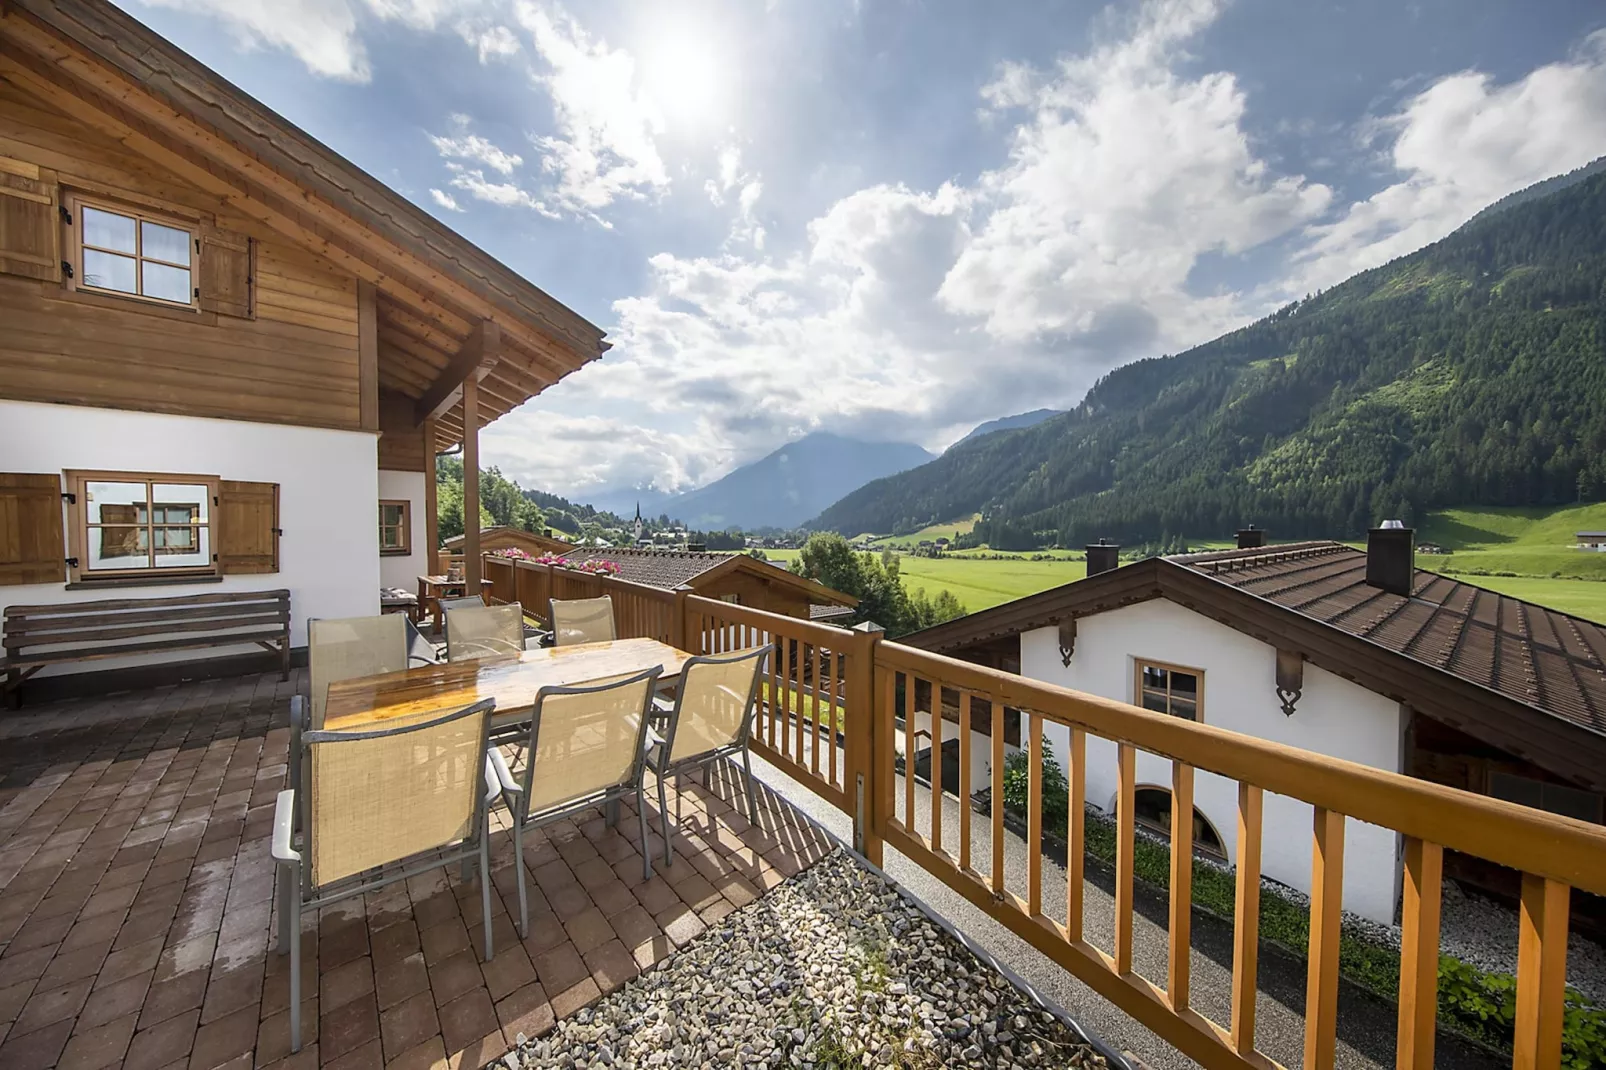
<point>1009,423</point>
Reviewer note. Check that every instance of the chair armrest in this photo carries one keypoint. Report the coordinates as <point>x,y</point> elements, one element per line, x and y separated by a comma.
<point>498,773</point>
<point>284,821</point>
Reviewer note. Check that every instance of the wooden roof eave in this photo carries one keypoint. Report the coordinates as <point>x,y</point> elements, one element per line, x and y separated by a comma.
<point>132,62</point>
<point>770,574</point>
<point>75,54</point>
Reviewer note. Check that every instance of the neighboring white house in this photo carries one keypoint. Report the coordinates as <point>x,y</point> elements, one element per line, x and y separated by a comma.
<point>1356,655</point>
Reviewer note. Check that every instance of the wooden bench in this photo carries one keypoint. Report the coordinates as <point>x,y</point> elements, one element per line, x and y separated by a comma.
<point>37,636</point>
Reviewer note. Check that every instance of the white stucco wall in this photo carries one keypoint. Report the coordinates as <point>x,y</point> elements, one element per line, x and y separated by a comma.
<point>1334,717</point>
<point>403,570</point>
<point>328,500</point>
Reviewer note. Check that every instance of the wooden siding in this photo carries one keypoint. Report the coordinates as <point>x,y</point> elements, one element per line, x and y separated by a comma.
<point>296,362</point>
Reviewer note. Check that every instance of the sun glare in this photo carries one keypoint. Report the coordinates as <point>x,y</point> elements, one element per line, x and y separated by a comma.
<point>685,73</point>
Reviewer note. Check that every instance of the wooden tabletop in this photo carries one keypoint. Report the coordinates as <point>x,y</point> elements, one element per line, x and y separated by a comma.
<point>512,681</point>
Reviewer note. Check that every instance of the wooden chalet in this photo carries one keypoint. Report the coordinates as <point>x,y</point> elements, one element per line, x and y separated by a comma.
<point>229,356</point>
<point>735,578</point>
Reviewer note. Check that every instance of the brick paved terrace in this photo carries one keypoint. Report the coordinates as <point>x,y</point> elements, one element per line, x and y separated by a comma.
<point>136,902</point>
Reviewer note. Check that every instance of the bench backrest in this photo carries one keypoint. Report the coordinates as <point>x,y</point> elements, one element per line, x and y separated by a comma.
<point>113,620</point>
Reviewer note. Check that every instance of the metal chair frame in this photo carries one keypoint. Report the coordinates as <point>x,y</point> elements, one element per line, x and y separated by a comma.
<point>298,895</point>
<point>668,715</point>
<point>516,791</point>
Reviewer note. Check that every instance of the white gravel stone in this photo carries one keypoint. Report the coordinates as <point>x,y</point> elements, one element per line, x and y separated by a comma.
<point>831,969</point>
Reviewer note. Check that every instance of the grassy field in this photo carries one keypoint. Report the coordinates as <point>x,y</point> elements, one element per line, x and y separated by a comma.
<point>1524,553</point>
<point>931,533</point>
<point>979,584</point>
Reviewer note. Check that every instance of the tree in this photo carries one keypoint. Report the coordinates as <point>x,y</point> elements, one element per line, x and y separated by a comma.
<point>876,582</point>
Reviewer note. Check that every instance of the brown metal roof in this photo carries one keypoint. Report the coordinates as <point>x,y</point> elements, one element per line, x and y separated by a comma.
<point>654,568</point>
<point>1532,654</point>
<point>674,568</point>
<point>1520,677</point>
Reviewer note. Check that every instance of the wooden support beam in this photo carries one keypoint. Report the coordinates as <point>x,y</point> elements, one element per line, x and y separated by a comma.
<point>432,519</point>
<point>471,484</point>
<point>367,356</point>
<point>473,361</point>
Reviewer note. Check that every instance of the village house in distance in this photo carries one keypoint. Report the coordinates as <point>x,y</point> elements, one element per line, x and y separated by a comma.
<point>1349,653</point>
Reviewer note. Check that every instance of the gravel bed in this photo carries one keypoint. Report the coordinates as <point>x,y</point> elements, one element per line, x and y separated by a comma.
<point>829,970</point>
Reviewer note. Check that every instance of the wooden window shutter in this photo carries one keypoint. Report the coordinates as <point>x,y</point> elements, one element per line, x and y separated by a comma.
<point>31,545</point>
<point>247,527</point>
<point>30,226</point>
<point>227,273</point>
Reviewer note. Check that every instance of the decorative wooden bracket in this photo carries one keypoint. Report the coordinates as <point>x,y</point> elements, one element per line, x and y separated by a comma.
<point>1067,640</point>
<point>1290,679</point>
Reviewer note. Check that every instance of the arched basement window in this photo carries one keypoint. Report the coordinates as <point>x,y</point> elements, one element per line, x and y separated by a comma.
<point>1152,809</point>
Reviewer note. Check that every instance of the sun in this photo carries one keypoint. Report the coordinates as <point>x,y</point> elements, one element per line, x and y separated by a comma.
<point>686,75</point>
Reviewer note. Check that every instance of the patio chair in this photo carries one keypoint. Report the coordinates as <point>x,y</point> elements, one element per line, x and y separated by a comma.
<point>380,806</point>
<point>710,718</point>
<point>484,631</point>
<point>586,746</point>
<point>344,649</point>
<point>582,620</point>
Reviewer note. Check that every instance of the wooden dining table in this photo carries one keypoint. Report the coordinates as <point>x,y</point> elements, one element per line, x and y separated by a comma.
<point>512,680</point>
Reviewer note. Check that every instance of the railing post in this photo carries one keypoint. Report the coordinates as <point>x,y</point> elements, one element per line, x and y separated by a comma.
<point>859,762</point>
<point>678,632</point>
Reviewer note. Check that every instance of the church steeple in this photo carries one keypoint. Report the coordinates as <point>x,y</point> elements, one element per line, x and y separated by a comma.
<point>638,521</point>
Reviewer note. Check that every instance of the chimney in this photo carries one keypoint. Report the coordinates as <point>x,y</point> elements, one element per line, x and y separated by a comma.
<point>1391,557</point>
<point>1251,538</point>
<point>1102,556</point>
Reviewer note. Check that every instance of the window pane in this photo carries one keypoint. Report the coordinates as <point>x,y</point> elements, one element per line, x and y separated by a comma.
<point>1185,708</point>
<point>1155,701</point>
<point>390,538</point>
<point>1153,677</point>
<point>1517,789</point>
<point>187,548</point>
<point>108,231</point>
<point>119,547</point>
<point>174,539</point>
<point>109,272</point>
<point>164,243</point>
<point>1571,802</point>
<point>115,503</point>
<point>168,283</point>
<point>193,500</point>
<point>1184,684</point>
<point>390,515</point>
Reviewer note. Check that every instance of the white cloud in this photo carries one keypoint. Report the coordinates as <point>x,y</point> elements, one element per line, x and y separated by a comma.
<point>1122,175</point>
<point>910,314</point>
<point>322,34</point>
<point>467,146</point>
<point>472,180</point>
<point>445,200</point>
<point>1459,145</point>
<point>490,41</point>
<point>604,148</point>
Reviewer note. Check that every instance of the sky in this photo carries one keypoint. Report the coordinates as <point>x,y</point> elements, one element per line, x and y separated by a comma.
<point>895,219</point>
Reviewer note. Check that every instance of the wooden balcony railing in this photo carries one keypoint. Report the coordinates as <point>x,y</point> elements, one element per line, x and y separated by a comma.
<point>829,717</point>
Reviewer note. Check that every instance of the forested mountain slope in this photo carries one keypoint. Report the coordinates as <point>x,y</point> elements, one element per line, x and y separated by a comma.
<point>1470,372</point>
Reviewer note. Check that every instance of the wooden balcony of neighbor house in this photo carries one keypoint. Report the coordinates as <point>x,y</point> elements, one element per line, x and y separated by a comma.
<point>136,889</point>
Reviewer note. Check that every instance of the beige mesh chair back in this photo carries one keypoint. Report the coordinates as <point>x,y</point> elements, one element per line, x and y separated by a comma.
<point>350,647</point>
<point>383,805</point>
<point>711,719</point>
<point>715,706</point>
<point>582,620</point>
<point>586,747</point>
<point>484,631</point>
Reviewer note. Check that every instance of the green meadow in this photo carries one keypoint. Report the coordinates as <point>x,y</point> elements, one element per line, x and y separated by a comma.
<point>1525,553</point>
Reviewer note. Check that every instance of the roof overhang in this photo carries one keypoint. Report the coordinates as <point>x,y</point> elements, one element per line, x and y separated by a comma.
<point>443,308</point>
<point>775,576</point>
